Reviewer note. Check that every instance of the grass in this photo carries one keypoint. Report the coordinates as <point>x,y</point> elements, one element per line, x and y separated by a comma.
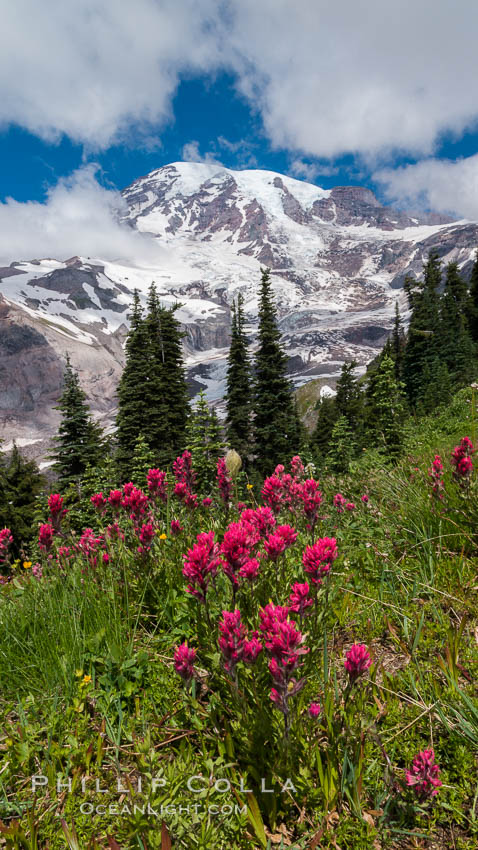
<point>404,584</point>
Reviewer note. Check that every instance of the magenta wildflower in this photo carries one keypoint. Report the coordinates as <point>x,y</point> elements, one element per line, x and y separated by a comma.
<point>232,637</point>
<point>184,661</point>
<point>364,499</point>
<point>98,501</point>
<point>435,472</point>
<point>262,519</point>
<point>6,541</point>
<point>318,559</point>
<point>207,502</point>
<point>462,462</point>
<point>201,564</point>
<point>135,501</point>
<point>270,616</point>
<point>250,570</point>
<point>57,511</point>
<point>314,710</point>
<point>157,484</point>
<point>357,661</point>
<point>273,492</point>
<point>300,599</point>
<point>176,527</point>
<point>146,537</point>
<point>284,643</point>
<point>224,482</point>
<point>184,494</point>
<point>115,498</point>
<point>239,539</point>
<point>310,496</point>
<point>423,775</point>
<point>297,468</point>
<point>46,534</point>
<point>275,546</point>
<point>89,544</point>
<point>339,502</point>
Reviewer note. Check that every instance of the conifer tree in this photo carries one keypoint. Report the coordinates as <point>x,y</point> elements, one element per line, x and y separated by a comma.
<point>387,409</point>
<point>143,459</point>
<point>132,411</point>
<point>423,340</point>
<point>327,417</point>
<point>457,348</point>
<point>342,447</point>
<point>349,399</point>
<point>20,484</point>
<point>473,302</point>
<point>152,393</point>
<point>275,428</point>
<point>205,443</point>
<point>79,441</point>
<point>397,343</point>
<point>238,387</point>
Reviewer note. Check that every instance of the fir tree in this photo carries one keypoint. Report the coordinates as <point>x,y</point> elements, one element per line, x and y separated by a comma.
<point>423,340</point>
<point>387,409</point>
<point>322,433</point>
<point>132,411</point>
<point>397,343</point>
<point>204,442</point>
<point>143,459</point>
<point>349,400</point>
<point>174,381</point>
<point>342,448</point>
<point>20,485</point>
<point>457,348</point>
<point>79,441</point>
<point>238,387</point>
<point>275,428</point>
<point>473,302</point>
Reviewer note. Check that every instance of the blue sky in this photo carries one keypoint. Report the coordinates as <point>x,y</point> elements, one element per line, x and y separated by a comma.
<point>209,117</point>
<point>372,94</point>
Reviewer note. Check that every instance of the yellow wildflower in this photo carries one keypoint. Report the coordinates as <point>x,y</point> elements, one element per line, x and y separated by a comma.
<point>250,486</point>
<point>78,673</point>
<point>163,536</point>
<point>86,680</point>
<point>27,565</point>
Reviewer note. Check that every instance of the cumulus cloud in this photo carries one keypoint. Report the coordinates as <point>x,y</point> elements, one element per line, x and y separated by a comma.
<point>79,217</point>
<point>327,78</point>
<point>311,170</point>
<point>441,185</point>
<point>331,78</point>
<point>191,153</point>
<point>92,68</point>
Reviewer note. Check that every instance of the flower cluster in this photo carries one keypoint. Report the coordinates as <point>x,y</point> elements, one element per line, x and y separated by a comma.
<point>46,533</point>
<point>146,537</point>
<point>201,564</point>
<point>283,642</point>
<point>282,538</point>
<point>461,461</point>
<point>157,485</point>
<point>310,497</point>
<point>299,598</point>
<point>318,558</point>
<point>99,502</point>
<point>6,541</point>
<point>262,519</point>
<point>435,472</point>
<point>57,511</point>
<point>357,661</point>
<point>185,480</point>
<point>423,775</point>
<point>234,642</point>
<point>184,658</point>
<point>339,502</point>
<point>135,501</point>
<point>224,482</point>
<point>239,540</point>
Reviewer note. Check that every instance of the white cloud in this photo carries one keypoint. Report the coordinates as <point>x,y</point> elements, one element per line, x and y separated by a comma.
<point>190,153</point>
<point>441,185</point>
<point>79,217</point>
<point>364,77</point>
<point>92,68</point>
<point>326,77</point>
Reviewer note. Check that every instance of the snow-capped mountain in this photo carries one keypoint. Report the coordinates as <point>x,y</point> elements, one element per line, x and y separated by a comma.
<point>338,260</point>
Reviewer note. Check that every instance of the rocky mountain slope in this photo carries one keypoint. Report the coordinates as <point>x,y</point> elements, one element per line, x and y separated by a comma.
<point>338,260</point>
